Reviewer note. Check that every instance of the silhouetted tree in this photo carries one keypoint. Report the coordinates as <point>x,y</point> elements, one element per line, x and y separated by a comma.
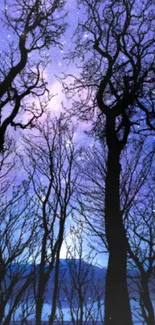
<point>17,233</point>
<point>115,42</point>
<point>142,252</point>
<point>82,289</point>
<point>134,189</point>
<point>35,25</point>
<point>48,160</point>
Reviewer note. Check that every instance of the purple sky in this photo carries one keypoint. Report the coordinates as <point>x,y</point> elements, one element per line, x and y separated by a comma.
<point>55,68</point>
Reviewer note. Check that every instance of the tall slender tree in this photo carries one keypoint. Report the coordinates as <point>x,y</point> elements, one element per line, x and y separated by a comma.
<point>142,253</point>
<point>134,189</point>
<point>82,289</point>
<point>17,232</point>
<point>49,166</point>
<point>115,41</point>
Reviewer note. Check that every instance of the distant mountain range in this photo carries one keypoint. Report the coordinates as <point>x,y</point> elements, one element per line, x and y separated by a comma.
<point>72,274</point>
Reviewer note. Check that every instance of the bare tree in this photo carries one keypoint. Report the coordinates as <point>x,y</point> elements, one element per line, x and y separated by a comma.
<point>81,286</point>
<point>137,207</point>
<point>142,253</point>
<point>115,42</point>
<point>136,166</point>
<point>17,233</point>
<point>35,26</point>
<point>50,156</point>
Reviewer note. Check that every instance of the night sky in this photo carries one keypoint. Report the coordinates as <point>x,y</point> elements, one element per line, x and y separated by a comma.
<point>134,191</point>
<point>57,67</point>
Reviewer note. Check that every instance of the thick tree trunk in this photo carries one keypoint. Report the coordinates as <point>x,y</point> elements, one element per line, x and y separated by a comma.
<point>117,305</point>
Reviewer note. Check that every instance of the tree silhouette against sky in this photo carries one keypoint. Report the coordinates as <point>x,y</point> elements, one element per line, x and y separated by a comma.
<point>113,90</point>
<point>35,26</point>
<point>115,41</point>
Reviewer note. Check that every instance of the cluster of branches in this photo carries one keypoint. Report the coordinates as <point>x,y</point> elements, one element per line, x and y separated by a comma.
<point>115,89</point>
<point>55,187</point>
<point>33,217</point>
<point>137,209</point>
<point>35,26</point>
<point>115,195</point>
